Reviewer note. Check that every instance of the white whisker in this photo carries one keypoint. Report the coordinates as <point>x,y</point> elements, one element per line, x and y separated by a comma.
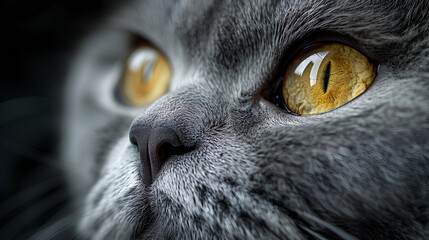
<point>32,154</point>
<point>32,213</point>
<point>313,233</point>
<point>53,229</point>
<point>341,233</point>
<point>19,199</point>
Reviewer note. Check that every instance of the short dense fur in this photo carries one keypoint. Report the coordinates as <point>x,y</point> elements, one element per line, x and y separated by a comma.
<point>255,171</point>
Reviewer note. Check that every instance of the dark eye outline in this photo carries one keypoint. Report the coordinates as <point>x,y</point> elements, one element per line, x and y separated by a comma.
<point>272,91</point>
<point>280,102</point>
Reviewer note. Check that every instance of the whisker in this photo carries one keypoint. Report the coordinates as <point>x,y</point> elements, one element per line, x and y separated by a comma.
<point>32,213</point>
<point>74,236</point>
<point>62,213</point>
<point>27,195</point>
<point>341,233</point>
<point>313,233</point>
<point>21,107</point>
<point>54,228</point>
<point>25,151</point>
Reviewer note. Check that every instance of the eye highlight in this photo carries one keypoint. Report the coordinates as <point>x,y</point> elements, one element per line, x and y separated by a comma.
<point>146,76</point>
<point>326,76</point>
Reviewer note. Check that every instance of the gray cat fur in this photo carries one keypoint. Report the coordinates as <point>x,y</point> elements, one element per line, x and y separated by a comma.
<point>360,171</point>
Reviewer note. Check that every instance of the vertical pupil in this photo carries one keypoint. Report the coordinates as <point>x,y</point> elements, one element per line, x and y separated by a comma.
<point>326,76</point>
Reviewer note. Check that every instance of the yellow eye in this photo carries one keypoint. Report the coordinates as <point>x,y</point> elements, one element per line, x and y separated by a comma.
<point>146,76</point>
<point>325,76</point>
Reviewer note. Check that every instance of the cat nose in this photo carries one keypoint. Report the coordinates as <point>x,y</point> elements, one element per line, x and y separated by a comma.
<point>155,145</point>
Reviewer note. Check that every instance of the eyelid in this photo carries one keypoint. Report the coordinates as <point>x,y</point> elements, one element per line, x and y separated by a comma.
<point>317,37</point>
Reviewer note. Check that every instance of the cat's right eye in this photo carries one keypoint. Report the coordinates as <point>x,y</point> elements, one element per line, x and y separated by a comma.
<point>325,76</point>
<point>146,76</point>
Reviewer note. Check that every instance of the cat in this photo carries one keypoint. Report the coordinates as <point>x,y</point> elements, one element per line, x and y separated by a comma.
<point>219,156</point>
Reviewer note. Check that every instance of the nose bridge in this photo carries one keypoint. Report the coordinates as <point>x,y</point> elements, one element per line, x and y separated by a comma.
<point>186,112</point>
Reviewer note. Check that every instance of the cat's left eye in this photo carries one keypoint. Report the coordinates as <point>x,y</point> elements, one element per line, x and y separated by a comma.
<point>146,76</point>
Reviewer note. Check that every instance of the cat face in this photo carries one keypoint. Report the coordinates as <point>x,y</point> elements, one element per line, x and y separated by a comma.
<point>215,157</point>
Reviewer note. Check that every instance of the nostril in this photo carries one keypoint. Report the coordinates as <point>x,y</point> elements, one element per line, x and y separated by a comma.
<point>156,146</point>
<point>166,150</point>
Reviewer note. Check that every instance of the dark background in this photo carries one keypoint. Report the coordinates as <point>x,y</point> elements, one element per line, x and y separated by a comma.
<point>38,39</point>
